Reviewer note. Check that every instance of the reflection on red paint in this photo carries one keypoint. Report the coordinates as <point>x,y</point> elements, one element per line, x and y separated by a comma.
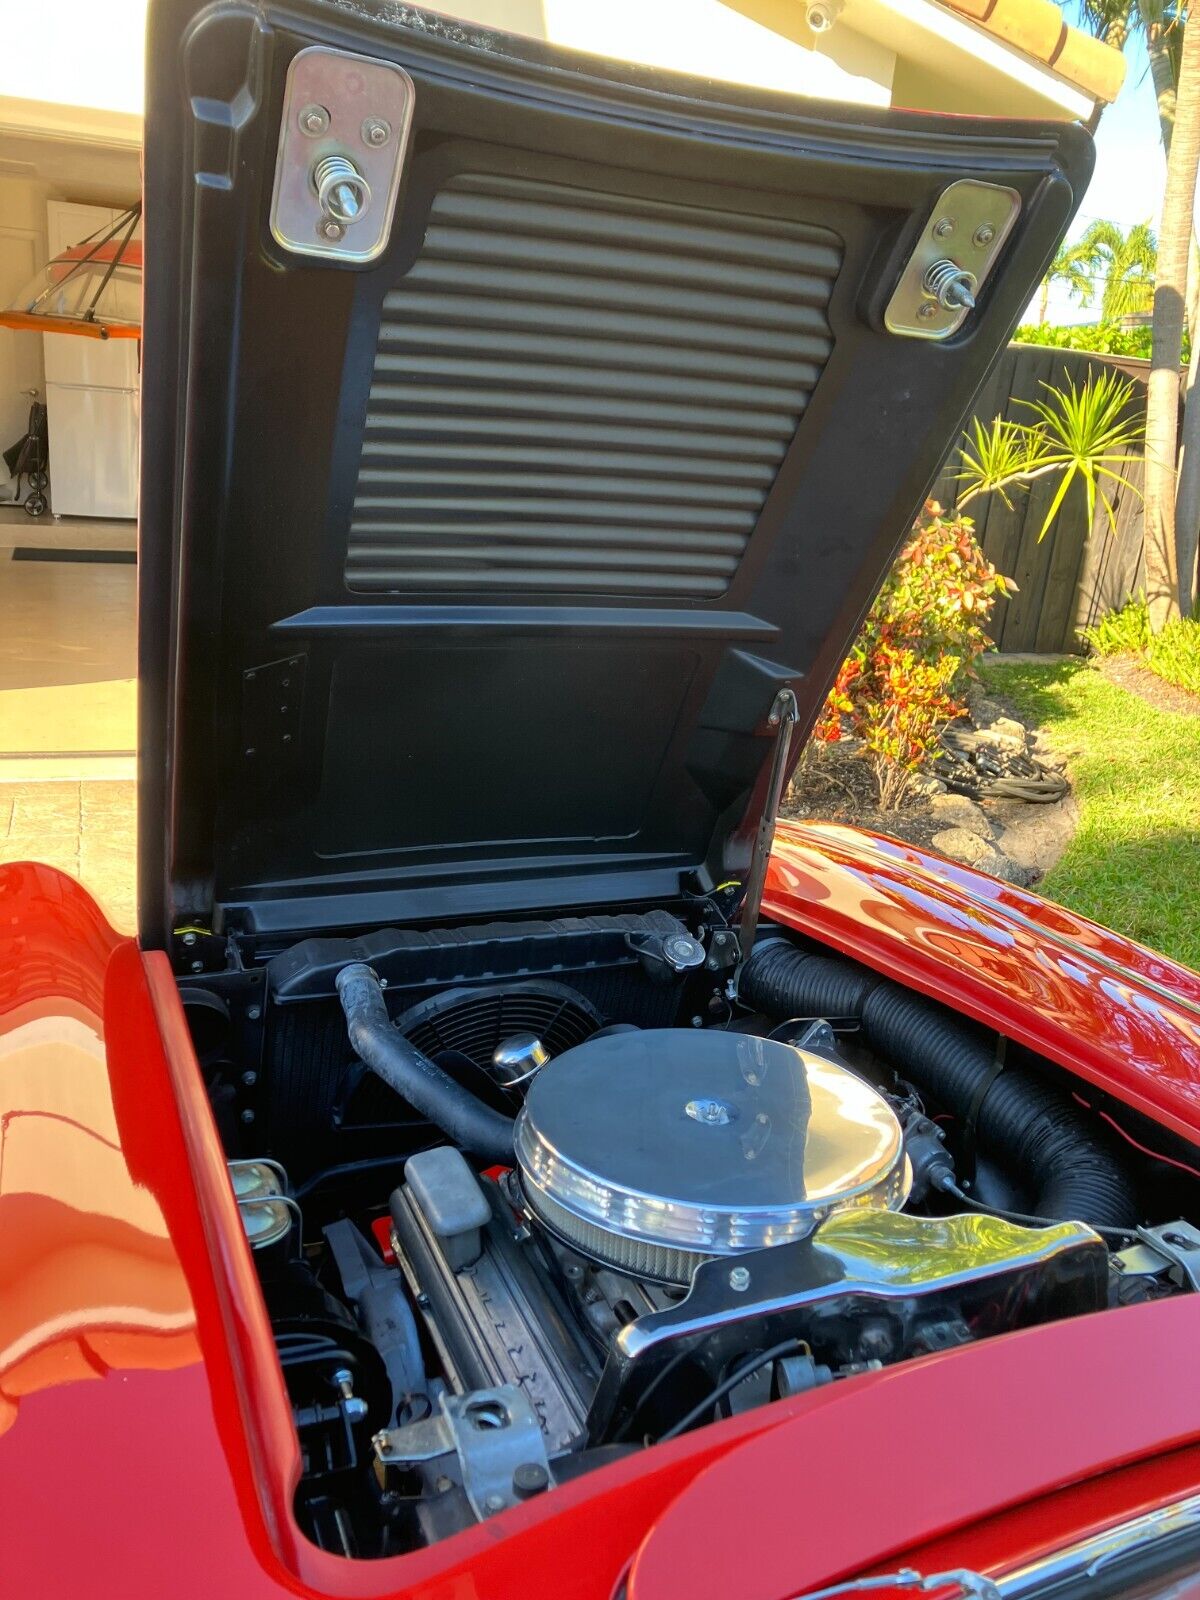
<point>1121,1016</point>
<point>89,1282</point>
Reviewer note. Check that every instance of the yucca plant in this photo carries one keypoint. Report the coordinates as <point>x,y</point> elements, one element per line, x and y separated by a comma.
<point>1083,431</point>
<point>994,458</point>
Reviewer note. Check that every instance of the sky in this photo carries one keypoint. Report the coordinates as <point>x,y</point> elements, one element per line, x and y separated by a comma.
<point>1131,170</point>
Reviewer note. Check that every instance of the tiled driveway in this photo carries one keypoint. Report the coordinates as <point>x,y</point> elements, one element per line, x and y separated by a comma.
<point>87,829</point>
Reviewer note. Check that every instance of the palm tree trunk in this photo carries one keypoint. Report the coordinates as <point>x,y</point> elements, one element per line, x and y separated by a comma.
<point>1044,302</point>
<point>1187,499</point>
<point>1162,75</point>
<point>1162,405</point>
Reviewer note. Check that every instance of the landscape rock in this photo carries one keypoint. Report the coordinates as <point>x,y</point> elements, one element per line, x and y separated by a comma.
<point>958,811</point>
<point>1006,734</point>
<point>961,844</point>
<point>926,785</point>
<point>982,707</point>
<point>1035,837</point>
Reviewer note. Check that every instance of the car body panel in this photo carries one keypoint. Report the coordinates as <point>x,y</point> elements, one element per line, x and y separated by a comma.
<point>1119,1015</point>
<point>135,1344</point>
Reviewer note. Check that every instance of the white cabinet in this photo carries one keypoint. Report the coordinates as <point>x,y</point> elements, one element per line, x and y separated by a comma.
<point>92,397</point>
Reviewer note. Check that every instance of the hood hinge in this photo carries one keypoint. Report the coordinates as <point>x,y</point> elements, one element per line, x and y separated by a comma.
<point>783,717</point>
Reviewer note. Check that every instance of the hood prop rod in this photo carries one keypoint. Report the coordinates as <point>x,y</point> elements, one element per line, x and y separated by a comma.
<point>783,717</point>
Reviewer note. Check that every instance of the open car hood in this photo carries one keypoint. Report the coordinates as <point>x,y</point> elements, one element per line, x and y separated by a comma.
<point>478,544</point>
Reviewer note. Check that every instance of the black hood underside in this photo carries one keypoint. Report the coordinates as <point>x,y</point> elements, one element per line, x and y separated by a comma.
<point>470,574</point>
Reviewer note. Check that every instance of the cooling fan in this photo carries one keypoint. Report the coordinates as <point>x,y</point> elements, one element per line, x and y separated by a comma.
<point>460,1029</point>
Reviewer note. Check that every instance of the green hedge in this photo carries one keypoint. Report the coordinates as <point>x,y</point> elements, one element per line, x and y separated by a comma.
<point>1100,338</point>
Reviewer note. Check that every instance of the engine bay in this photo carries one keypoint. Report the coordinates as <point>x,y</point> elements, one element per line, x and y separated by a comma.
<point>526,1197</point>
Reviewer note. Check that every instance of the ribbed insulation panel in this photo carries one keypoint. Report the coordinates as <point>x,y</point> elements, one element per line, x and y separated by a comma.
<point>587,392</point>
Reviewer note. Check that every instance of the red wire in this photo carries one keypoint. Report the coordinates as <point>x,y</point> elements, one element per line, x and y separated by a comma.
<point>1154,1155</point>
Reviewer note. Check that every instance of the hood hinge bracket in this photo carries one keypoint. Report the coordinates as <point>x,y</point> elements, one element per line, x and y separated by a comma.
<point>784,715</point>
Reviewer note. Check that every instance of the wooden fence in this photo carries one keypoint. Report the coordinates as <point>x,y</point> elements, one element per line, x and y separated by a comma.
<point>1075,573</point>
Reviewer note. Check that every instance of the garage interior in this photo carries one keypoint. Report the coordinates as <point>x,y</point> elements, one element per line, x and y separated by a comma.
<point>68,578</point>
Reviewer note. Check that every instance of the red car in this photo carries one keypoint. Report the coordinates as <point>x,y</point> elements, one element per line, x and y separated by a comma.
<point>503,1165</point>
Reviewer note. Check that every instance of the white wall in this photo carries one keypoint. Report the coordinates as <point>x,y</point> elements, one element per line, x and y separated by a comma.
<point>22,254</point>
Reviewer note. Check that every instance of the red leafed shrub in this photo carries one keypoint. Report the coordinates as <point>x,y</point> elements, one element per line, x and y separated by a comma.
<point>898,687</point>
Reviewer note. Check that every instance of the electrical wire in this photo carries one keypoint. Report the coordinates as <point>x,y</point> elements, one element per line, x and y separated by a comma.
<point>747,1370</point>
<point>1155,1155</point>
<point>1121,1236</point>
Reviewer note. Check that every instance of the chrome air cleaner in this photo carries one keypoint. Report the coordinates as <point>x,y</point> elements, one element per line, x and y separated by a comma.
<point>653,1151</point>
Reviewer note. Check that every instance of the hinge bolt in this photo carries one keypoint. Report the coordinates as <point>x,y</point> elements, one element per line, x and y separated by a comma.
<point>739,1279</point>
<point>376,132</point>
<point>983,235</point>
<point>943,227</point>
<point>314,121</point>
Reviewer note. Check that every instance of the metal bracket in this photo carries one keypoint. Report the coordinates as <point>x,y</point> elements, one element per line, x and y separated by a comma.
<point>495,1437</point>
<point>342,146</point>
<point>1179,1242</point>
<point>783,717</point>
<point>953,258</point>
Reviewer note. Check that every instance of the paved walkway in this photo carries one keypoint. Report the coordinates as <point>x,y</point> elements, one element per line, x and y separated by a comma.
<point>86,829</point>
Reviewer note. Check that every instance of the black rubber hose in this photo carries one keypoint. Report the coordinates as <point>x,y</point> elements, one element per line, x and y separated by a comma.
<point>465,1120</point>
<point>786,983</point>
<point>1029,1125</point>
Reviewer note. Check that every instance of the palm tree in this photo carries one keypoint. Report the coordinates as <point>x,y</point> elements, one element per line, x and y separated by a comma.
<point>1168,570</point>
<point>1160,22</point>
<point>1072,267</point>
<point>1126,262</point>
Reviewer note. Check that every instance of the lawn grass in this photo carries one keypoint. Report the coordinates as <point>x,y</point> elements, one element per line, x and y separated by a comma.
<point>1134,864</point>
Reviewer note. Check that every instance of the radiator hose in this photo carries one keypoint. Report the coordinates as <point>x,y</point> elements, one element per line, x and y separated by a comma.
<point>1026,1123</point>
<point>379,1045</point>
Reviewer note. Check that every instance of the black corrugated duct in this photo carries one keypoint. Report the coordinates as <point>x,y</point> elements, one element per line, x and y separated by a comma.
<point>1027,1124</point>
<point>584,391</point>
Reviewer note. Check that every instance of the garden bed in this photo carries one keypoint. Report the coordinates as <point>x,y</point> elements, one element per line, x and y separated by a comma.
<point>1009,838</point>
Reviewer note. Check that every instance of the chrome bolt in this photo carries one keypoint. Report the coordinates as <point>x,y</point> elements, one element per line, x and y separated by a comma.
<point>247,1116</point>
<point>314,121</point>
<point>943,227</point>
<point>249,1079</point>
<point>377,132</point>
<point>343,1381</point>
<point>984,234</point>
<point>328,229</point>
<point>197,966</point>
<point>189,938</point>
<point>739,1279</point>
<point>494,1502</point>
<point>926,310</point>
<point>254,1013</point>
